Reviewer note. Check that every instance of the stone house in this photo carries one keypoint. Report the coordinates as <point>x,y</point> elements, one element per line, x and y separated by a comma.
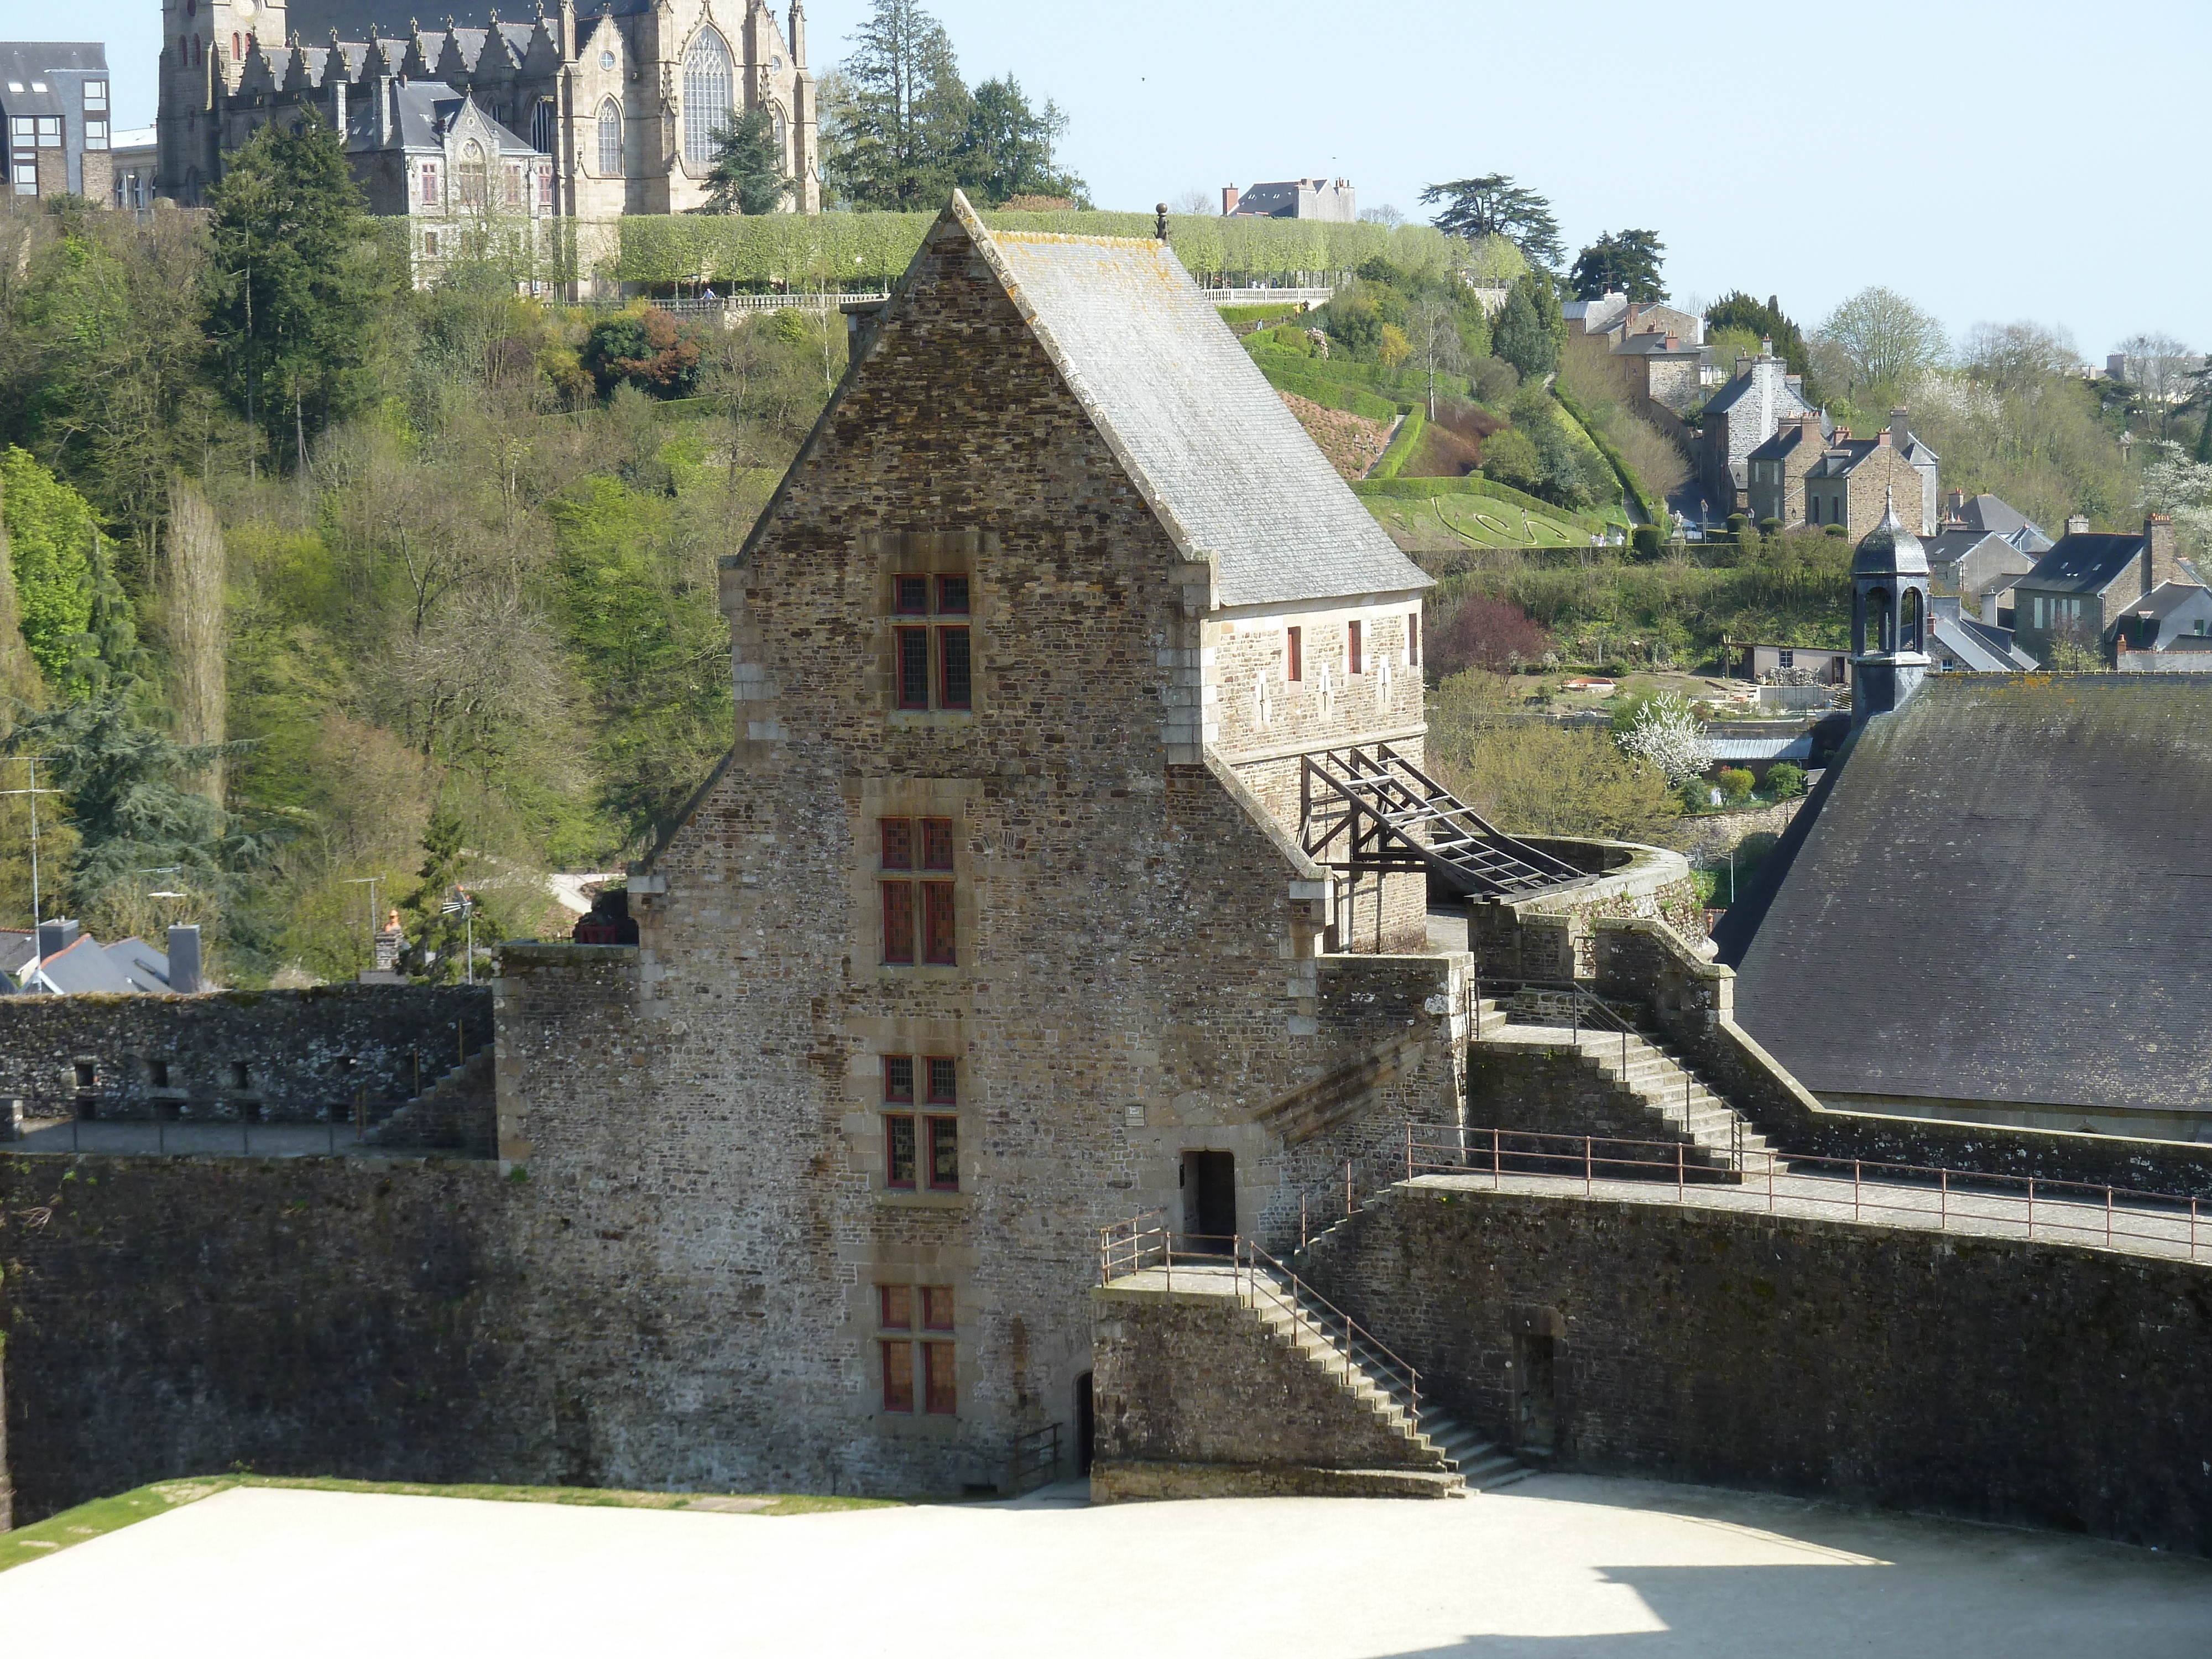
<point>1024,901</point>
<point>1775,471</point>
<point>55,119</point>
<point>2088,581</point>
<point>625,101</point>
<point>1979,566</point>
<point>423,152</point>
<point>1740,417</point>
<point>1331,200</point>
<point>1653,355</point>
<point>1855,479</point>
<point>2171,629</point>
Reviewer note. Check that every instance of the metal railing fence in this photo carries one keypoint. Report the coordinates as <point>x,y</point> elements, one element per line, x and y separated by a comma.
<point>1146,1242</point>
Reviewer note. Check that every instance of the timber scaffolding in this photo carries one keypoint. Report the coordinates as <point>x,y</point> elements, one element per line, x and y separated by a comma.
<point>1363,810</point>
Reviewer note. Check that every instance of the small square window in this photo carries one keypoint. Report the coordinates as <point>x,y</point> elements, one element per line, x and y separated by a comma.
<point>952,596</point>
<point>896,1304</point>
<point>898,842</point>
<point>943,1079</point>
<point>937,843</point>
<point>910,595</point>
<point>95,97</point>
<point>898,1078</point>
<point>95,133</point>
<point>937,1307</point>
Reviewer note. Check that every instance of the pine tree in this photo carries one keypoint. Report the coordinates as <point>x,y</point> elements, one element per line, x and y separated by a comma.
<point>906,113</point>
<point>748,175</point>
<point>298,275</point>
<point>1007,149</point>
<point>1521,336</point>
<point>439,940</point>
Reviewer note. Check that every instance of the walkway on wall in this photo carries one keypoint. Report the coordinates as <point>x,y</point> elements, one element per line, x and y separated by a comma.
<point>1442,1158</point>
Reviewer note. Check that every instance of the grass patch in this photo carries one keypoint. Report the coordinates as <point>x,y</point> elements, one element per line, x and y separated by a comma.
<point>106,1514</point>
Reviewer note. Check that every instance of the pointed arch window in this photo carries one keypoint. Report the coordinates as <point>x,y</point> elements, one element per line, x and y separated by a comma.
<point>776,128</point>
<point>611,139</point>
<point>709,87</point>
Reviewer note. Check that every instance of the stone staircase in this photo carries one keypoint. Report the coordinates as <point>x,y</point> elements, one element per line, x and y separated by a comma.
<point>1467,1461</point>
<point>1669,1098</point>
<point>454,1113</point>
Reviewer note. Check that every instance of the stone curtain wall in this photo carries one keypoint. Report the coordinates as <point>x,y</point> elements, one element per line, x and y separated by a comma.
<point>1199,1379</point>
<point>1693,1002</point>
<point>308,1053</point>
<point>2033,1384</point>
<point>177,1316</point>
<point>1552,938</point>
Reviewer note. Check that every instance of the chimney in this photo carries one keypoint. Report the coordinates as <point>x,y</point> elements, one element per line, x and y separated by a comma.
<point>1673,342</point>
<point>1765,347</point>
<point>56,937</point>
<point>2077,523</point>
<point>1635,310</point>
<point>1959,505</point>
<point>2158,531</point>
<point>1743,367</point>
<point>1229,195</point>
<point>1901,430</point>
<point>184,959</point>
<point>1881,439</point>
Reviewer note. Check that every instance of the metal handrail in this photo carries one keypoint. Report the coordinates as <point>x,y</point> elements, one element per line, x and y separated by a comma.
<point>1956,1191</point>
<point>1142,1242</point>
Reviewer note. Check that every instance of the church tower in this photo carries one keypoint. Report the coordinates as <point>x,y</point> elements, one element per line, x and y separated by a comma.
<point>1889,617</point>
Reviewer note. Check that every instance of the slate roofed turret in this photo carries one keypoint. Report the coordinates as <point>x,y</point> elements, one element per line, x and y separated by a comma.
<point>1889,549</point>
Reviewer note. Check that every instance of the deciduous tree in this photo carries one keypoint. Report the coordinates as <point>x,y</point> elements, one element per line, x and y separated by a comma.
<point>1884,337</point>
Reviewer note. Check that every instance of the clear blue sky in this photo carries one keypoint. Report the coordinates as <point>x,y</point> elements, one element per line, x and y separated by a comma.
<point>1993,162</point>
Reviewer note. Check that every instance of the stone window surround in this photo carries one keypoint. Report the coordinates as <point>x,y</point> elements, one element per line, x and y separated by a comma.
<point>912,797</point>
<point>933,554</point>
<point>949,1265</point>
<point>865,1111</point>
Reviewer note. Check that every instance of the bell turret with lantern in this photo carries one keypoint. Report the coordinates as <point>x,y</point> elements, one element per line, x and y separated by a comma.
<point>1890,617</point>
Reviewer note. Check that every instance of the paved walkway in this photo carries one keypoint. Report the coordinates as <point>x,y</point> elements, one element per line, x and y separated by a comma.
<point>68,1135</point>
<point>1563,1567</point>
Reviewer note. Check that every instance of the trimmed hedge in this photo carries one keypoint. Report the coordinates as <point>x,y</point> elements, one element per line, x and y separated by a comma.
<point>1331,394</point>
<point>1655,511</point>
<point>812,250</point>
<point>1402,445</point>
<point>1259,313</point>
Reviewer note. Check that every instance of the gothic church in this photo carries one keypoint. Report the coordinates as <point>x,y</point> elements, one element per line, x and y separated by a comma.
<point>613,111</point>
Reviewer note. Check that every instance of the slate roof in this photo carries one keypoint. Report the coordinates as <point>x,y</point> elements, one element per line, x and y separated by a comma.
<point>2073,814</point>
<point>28,63</point>
<point>140,963</point>
<point>423,106</point>
<point>1224,466</point>
<point>1992,514</point>
<point>2167,598</point>
<point>1797,748</point>
<point>1951,546</point>
<point>1979,646</point>
<point>313,19</point>
<point>81,965</point>
<point>2085,562</point>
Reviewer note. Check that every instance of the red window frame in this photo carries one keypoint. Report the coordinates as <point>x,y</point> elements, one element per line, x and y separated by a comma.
<point>952,596</point>
<point>955,679</point>
<point>1351,648</point>
<point>909,596</point>
<point>930,1140</point>
<point>918,927</point>
<point>911,663</point>
<point>941,1379</point>
<point>944,1154</point>
<point>1294,664</point>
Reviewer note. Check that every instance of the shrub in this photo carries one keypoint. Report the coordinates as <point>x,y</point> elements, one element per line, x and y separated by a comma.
<point>1493,380</point>
<point>1835,530</point>
<point>1291,336</point>
<point>1783,781</point>
<point>1393,347</point>
<point>1735,784</point>
<point>1647,541</point>
<point>1488,633</point>
<point>646,349</point>
<point>1355,326</point>
<point>1770,527</point>
<point>1661,730</point>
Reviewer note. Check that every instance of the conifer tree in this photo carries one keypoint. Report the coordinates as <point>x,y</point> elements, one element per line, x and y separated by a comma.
<point>1522,336</point>
<point>747,175</point>
<point>905,115</point>
<point>441,940</point>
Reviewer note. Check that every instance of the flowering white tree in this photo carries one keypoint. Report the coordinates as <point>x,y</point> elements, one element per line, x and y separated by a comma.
<point>1665,733</point>
<point>2182,487</point>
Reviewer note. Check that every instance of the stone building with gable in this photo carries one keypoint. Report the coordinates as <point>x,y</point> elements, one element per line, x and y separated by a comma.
<point>622,103</point>
<point>1031,896</point>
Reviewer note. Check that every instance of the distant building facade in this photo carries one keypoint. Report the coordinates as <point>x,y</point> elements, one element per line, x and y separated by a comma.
<point>623,104</point>
<point>1740,417</point>
<point>54,110</point>
<point>2079,590</point>
<point>1333,200</point>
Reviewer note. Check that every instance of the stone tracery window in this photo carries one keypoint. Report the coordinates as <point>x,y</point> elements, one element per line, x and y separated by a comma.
<point>472,174</point>
<point>611,157</point>
<point>709,91</point>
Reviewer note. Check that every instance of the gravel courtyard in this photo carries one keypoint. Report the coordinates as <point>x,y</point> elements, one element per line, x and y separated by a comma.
<point>1561,1566</point>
